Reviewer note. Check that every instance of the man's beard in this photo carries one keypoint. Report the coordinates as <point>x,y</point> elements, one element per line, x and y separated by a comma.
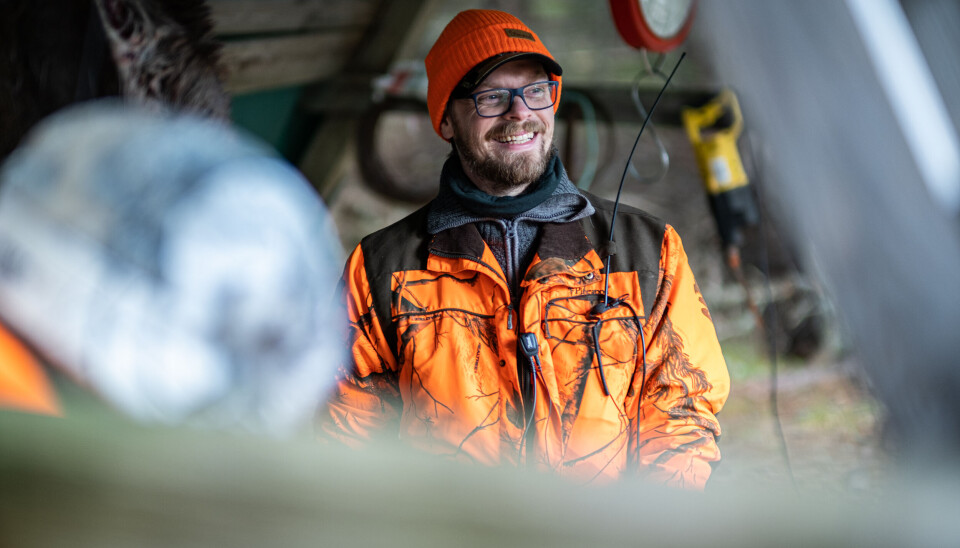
<point>508,171</point>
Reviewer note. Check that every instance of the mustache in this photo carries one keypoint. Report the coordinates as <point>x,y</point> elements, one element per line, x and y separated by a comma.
<point>513,128</point>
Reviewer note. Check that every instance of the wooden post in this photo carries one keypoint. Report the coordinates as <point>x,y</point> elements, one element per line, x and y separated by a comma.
<point>396,23</point>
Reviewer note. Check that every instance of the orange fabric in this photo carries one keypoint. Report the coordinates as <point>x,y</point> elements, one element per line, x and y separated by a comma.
<point>470,38</point>
<point>23,384</point>
<point>453,388</point>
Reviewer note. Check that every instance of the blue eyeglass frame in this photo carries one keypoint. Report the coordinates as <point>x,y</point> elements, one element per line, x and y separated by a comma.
<point>516,92</point>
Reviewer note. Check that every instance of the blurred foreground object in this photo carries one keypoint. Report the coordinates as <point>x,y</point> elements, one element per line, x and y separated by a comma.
<point>857,106</point>
<point>82,484</point>
<point>178,268</point>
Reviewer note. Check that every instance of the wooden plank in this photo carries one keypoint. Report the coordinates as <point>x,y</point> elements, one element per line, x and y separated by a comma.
<point>233,17</point>
<point>268,63</point>
<point>394,34</point>
<point>387,33</point>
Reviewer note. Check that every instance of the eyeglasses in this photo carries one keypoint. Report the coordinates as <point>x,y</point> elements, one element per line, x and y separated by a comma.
<point>491,103</point>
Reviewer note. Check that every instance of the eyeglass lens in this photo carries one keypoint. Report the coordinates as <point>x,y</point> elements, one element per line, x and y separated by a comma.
<point>495,102</point>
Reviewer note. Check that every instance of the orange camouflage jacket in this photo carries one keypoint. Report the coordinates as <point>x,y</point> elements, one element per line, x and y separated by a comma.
<point>634,388</point>
<point>24,386</point>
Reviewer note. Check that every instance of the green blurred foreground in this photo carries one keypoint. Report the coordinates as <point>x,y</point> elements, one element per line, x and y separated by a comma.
<point>97,481</point>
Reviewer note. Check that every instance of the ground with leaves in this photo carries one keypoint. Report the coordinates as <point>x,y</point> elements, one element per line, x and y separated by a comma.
<point>830,422</point>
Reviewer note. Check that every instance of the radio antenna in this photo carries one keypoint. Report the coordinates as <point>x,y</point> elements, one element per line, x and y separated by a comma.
<point>611,249</point>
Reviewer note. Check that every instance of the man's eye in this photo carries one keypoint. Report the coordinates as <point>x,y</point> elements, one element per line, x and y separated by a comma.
<point>491,98</point>
<point>536,91</point>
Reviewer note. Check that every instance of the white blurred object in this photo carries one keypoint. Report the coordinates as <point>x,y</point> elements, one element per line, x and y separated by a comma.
<point>180,269</point>
<point>913,96</point>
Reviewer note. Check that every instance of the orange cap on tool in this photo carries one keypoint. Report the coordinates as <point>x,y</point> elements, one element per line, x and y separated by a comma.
<point>474,44</point>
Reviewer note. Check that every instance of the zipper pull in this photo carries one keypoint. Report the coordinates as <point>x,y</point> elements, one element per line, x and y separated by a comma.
<point>510,318</point>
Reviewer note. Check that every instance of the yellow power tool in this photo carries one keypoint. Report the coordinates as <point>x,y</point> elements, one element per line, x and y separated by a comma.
<point>716,148</point>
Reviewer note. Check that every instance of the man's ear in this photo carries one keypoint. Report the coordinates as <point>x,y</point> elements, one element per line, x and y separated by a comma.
<point>446,127</point>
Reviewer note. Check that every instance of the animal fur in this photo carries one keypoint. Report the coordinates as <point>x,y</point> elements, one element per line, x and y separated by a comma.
<point>165,54</point>
<point>159,53</point>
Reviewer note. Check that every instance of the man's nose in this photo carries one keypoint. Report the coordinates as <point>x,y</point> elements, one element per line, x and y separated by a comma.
<point>518,109</point>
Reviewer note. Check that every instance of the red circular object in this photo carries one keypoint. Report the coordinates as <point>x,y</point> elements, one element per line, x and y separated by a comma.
<point>635,30</point>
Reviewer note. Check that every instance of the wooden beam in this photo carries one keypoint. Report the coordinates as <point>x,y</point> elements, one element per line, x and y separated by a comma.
<point>325,159</point>
<point>386,34</point>
<point>268,63</point>
<point>616,103</point>
<point>233,17</point>
<point>342,99</point>
<point>346,95</point>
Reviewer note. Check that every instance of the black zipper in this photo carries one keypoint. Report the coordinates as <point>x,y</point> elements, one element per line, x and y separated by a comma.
<point>524,376</point>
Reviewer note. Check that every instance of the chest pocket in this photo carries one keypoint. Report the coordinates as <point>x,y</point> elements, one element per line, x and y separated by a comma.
<point>446,331</point>
<point>598,350</point>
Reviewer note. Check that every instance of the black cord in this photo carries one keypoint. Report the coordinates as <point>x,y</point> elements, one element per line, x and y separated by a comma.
<point>533,411</point>
<point>643,389</point>
<point>530,348</point>
<point>616,203</point>
<point>771,322</point>
<point>605,305</point>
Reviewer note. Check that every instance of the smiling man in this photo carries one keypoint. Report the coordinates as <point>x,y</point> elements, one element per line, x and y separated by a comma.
<point>505,145</point>
<point>486,327</point>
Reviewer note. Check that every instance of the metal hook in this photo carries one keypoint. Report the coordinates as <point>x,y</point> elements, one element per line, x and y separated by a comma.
<point>654,70</point>
<point>663,154</point>
<point>650,70</point>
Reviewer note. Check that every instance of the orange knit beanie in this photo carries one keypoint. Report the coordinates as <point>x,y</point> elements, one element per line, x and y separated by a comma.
<point>479,37</point>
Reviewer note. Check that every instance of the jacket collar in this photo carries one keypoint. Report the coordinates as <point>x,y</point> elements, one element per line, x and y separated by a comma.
<point>563,240</point>
<point>565,203</point>
<point>566,241</point>
<point>461,240</point>
<point>564,248</point>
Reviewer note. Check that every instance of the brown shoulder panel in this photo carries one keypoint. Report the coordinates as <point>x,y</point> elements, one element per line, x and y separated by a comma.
<point>398,247</point>
<point>636,231</point>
